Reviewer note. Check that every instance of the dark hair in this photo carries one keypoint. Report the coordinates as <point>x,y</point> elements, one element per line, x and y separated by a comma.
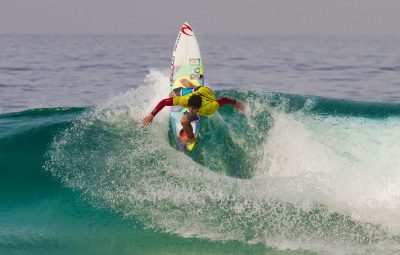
<point>194,101</point>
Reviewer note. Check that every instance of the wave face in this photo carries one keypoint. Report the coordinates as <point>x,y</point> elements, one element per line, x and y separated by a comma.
<point>293,172</point>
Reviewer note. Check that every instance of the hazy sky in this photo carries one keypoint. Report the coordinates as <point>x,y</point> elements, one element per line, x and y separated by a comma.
<point>206,16</point>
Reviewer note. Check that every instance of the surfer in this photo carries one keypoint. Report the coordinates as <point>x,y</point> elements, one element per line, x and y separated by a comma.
<point>201,101</point>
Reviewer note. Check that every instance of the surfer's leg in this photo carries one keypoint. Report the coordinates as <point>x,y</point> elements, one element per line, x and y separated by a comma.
<point>186,121</point>
<point>187,127</point>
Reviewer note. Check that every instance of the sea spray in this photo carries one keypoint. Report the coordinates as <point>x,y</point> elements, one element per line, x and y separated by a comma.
<point>303,186</point>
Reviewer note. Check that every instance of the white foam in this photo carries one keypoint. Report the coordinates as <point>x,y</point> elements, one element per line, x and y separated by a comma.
<point>307,160</point>
<point>350,164</point>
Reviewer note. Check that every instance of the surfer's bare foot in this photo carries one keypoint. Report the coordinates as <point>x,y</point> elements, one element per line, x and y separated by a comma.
<point>186,140</point>
<point>187,84</point>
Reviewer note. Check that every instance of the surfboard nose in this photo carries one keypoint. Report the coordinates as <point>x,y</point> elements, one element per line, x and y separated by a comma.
<point>186,29</point>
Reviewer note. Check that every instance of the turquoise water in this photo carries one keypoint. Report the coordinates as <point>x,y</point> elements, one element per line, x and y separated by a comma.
<point>294,174</point>
<point>99,183</point>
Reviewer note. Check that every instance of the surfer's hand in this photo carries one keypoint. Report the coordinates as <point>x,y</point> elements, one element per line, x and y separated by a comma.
<point>239,106</point>
<point>147,120</point>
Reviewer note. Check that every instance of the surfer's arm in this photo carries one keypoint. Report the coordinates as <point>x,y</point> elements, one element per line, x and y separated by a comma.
<point>149,118</point>
<point>224,100</point>
<point>165,102</point>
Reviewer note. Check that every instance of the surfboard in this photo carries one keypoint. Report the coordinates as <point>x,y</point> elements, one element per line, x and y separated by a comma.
<point>186,63</point>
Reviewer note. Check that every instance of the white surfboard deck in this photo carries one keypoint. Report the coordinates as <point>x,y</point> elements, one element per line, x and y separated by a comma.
<point>186,63</point>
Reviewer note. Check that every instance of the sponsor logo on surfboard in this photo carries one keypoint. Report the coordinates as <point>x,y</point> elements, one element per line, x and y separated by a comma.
<point>177,41</point>
<point>172,70</point>
<point>194,61</point>
<point>187,30</point>
<point>195,76</point>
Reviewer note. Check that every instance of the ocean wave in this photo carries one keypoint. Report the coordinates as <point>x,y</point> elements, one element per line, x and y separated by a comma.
<point>292,172</point>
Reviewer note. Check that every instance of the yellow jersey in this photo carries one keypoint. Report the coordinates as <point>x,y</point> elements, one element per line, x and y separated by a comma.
<point>209,104</point>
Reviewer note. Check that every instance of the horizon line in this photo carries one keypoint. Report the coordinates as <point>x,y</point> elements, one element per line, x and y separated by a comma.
<point>197,34</point>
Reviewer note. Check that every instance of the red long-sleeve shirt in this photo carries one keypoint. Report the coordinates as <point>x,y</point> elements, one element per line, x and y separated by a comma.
<point>170,102</point>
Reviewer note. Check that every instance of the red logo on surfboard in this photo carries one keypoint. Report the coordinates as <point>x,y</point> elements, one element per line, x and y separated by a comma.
<point>187,30</point>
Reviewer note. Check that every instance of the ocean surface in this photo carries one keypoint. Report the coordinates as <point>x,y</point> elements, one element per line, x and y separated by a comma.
<point>311,167</point>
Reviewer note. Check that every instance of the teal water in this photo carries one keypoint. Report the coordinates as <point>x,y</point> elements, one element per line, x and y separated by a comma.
<point>40,216</point>
<point>312,167</point>
<point>91,180</point>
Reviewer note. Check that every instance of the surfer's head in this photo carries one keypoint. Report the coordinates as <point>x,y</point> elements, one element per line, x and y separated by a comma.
<point>194,103</point>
